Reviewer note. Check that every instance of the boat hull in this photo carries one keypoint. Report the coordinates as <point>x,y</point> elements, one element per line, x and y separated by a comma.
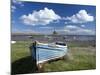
<point>44,52</point>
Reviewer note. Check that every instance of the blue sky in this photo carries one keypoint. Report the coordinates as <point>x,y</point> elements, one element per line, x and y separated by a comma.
<point>34,17</point>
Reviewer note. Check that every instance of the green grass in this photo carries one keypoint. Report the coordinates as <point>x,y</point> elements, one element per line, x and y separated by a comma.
<point>81,56</point>
<point>79,59</point>
<point>20,50</point>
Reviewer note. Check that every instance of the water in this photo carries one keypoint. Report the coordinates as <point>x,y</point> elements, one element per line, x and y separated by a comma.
<point>51,38</point>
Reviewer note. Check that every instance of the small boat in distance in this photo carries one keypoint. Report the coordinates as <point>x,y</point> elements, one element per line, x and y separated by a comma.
<point>43,52</point>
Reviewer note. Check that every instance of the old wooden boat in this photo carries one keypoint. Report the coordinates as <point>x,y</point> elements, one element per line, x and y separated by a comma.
<point>43,52</point>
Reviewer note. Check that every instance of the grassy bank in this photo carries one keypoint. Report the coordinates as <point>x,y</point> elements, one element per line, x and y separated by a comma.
<point>81,56</point>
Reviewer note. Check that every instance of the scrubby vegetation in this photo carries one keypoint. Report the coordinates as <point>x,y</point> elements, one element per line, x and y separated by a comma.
<point>81,56</point>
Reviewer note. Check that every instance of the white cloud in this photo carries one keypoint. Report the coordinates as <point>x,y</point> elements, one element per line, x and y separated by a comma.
<point>81,17</point>
<point>46,27</point>
<point>14,3</point>
<point>18,2</point>
<point>12,21</point>
<point>82,25</point>
<point>13,8</point>
<point>41,17</point>
<point>73,29</point>
<point>66,22</point>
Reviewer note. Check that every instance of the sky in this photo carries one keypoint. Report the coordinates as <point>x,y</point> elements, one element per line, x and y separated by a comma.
<point>44,18</point>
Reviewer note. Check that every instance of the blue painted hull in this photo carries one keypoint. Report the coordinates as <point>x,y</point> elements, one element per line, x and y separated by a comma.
<point>44,52</point>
